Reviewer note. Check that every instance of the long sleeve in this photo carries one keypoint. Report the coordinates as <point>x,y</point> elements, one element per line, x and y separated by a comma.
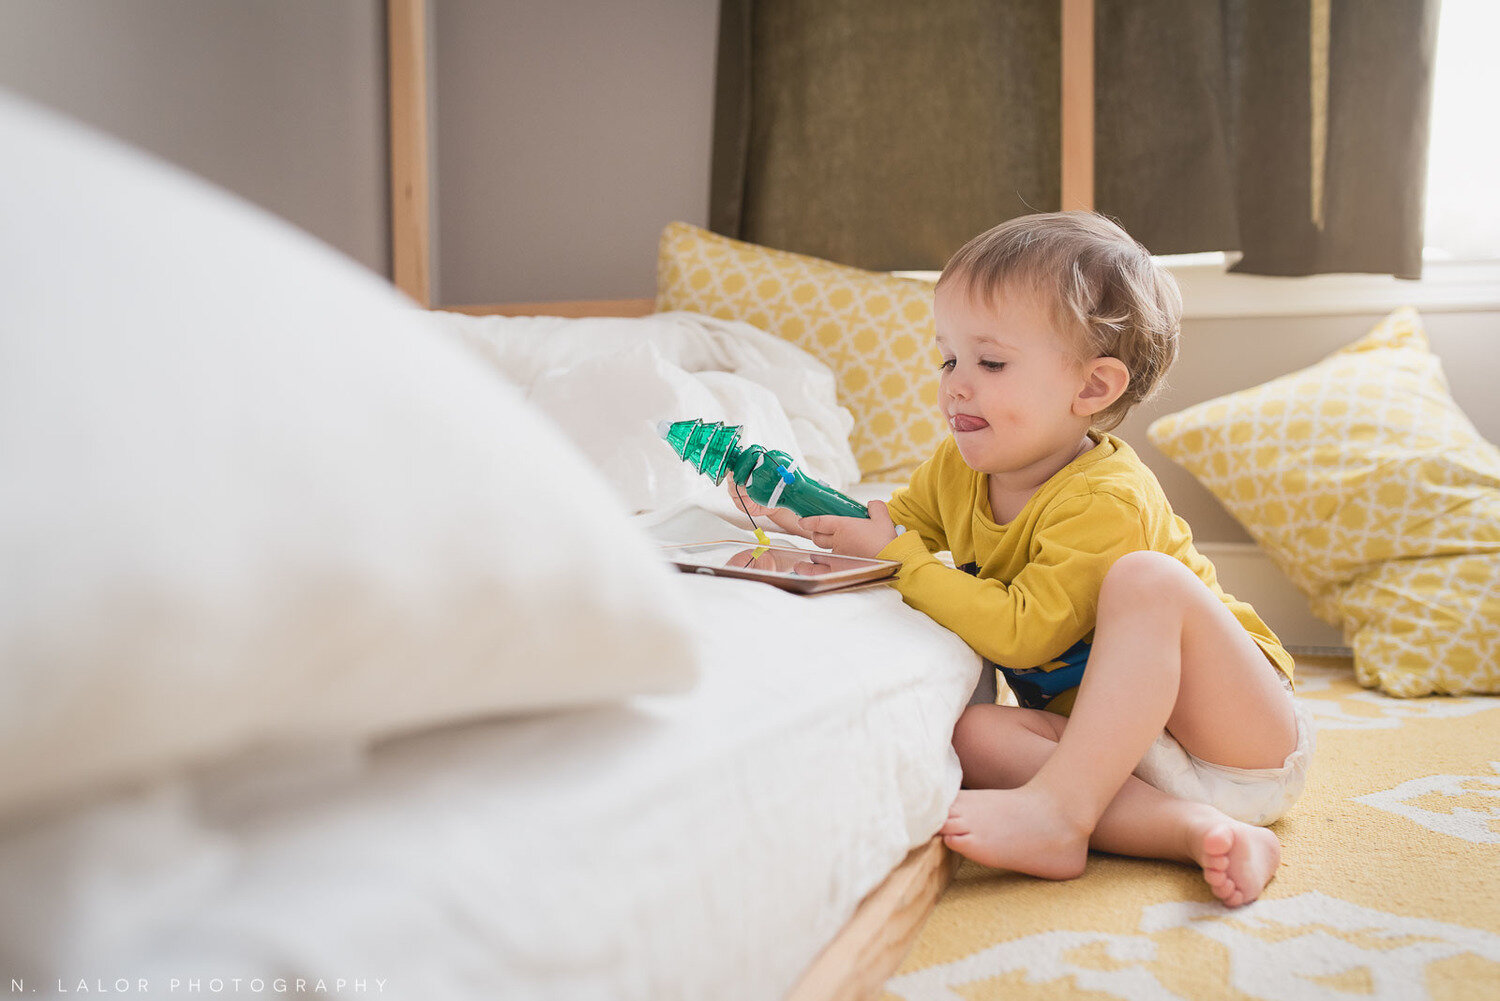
<point>917,507</point>
<point>1050,604</point>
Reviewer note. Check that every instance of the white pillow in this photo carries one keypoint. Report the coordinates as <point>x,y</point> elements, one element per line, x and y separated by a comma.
<point>250,494</point>
<point>608,381</point>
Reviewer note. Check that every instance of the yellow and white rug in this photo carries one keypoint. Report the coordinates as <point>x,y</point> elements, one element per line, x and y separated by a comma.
<point>1389,887</point>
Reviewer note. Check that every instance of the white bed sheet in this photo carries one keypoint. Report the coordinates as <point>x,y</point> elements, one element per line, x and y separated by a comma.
<point>703,845</point>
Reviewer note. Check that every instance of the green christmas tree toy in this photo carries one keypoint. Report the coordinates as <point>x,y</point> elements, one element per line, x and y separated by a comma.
<point>768,476</point>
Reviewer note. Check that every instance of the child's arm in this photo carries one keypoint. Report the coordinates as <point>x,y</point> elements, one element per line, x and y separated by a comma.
<point>1049,605</point>
<point>916,503</point>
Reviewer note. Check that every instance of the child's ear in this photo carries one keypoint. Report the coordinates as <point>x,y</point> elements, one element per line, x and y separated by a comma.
<point>1104,380</point>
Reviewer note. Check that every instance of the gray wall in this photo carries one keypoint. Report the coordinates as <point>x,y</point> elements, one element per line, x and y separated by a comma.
<point>280,101</point>
<point>565,134</point>
<point>568,133</point>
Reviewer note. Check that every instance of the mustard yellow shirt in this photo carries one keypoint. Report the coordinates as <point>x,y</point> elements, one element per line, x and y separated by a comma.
<point>1031,590</point>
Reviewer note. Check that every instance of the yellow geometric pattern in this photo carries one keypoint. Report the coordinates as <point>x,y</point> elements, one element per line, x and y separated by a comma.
<point>1389,886</point>
<point>874,331</point>
<point>1370,488</point>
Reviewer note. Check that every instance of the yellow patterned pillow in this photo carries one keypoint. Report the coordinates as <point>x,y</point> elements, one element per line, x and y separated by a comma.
<point>1370,488</point>
<point>875,331</point>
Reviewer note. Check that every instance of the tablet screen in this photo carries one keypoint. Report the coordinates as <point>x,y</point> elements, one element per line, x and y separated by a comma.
<point>795,569</point>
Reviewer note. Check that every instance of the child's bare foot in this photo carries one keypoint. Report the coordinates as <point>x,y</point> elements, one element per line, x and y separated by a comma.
<point>1017,829</point>
<point>1238,859</point>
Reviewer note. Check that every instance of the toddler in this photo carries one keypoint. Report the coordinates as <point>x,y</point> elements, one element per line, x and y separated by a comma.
<point>1156,717</point>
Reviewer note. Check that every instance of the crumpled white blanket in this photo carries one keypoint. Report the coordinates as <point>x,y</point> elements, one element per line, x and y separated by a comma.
<point>700,845</point>
<point>608,381</point>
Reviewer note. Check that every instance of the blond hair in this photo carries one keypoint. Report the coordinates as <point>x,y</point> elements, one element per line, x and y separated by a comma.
<point>1103,286</point>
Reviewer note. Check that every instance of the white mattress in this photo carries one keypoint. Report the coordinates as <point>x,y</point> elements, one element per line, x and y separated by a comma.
<point>696,846</point>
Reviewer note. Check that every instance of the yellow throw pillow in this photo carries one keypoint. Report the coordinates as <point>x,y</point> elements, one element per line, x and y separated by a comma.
<point>874,330</point>
<point>1370,488</point>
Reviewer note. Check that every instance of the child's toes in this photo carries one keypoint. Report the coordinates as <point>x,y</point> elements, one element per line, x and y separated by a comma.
<point>1218,842</point>
<point>1229,893</point>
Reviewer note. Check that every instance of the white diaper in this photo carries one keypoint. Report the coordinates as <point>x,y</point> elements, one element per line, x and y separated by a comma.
<point>1254,795</point>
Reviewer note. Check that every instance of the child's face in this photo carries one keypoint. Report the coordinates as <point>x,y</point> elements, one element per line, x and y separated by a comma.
<point>1009,383</point>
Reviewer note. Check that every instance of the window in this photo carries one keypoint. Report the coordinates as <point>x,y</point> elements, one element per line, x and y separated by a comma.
<point>1463,156</point>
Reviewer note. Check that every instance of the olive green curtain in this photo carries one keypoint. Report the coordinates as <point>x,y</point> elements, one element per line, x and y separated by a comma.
<point>883,133</point>
<point>1163,123</point>
<point>1348,193</point>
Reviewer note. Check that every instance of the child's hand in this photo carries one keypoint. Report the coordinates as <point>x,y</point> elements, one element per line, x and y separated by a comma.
<point>783,519</point>
<point>852,536</point>
<point>741,498</point>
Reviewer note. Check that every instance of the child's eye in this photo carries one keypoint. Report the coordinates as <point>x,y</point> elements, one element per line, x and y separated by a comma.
<point>992,366</point>
<point>947,364</point>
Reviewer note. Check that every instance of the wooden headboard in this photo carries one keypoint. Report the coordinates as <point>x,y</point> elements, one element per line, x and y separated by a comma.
<point>411,176</point>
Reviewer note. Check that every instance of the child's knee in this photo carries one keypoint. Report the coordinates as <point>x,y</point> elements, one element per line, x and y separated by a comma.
<point>976,730</point>
<point>984,729</point>
<point>1147,577</point>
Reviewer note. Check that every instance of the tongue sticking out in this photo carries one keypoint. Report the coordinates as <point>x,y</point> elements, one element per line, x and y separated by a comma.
<point>963,422</point>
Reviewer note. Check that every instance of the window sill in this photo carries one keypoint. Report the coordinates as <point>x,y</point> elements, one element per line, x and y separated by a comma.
<point>1210,291</point>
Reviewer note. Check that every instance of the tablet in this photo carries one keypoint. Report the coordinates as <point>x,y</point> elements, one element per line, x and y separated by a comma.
<point>805,571</point>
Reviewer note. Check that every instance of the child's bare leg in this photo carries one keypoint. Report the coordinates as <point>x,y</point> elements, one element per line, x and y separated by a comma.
<point>1167,653</point>
<point>1002,747</point>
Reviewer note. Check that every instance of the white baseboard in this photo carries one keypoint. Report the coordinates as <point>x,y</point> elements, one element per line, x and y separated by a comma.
<point>1246,572</point>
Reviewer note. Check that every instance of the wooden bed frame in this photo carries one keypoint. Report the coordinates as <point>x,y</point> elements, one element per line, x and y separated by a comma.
<point>870,947</point>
